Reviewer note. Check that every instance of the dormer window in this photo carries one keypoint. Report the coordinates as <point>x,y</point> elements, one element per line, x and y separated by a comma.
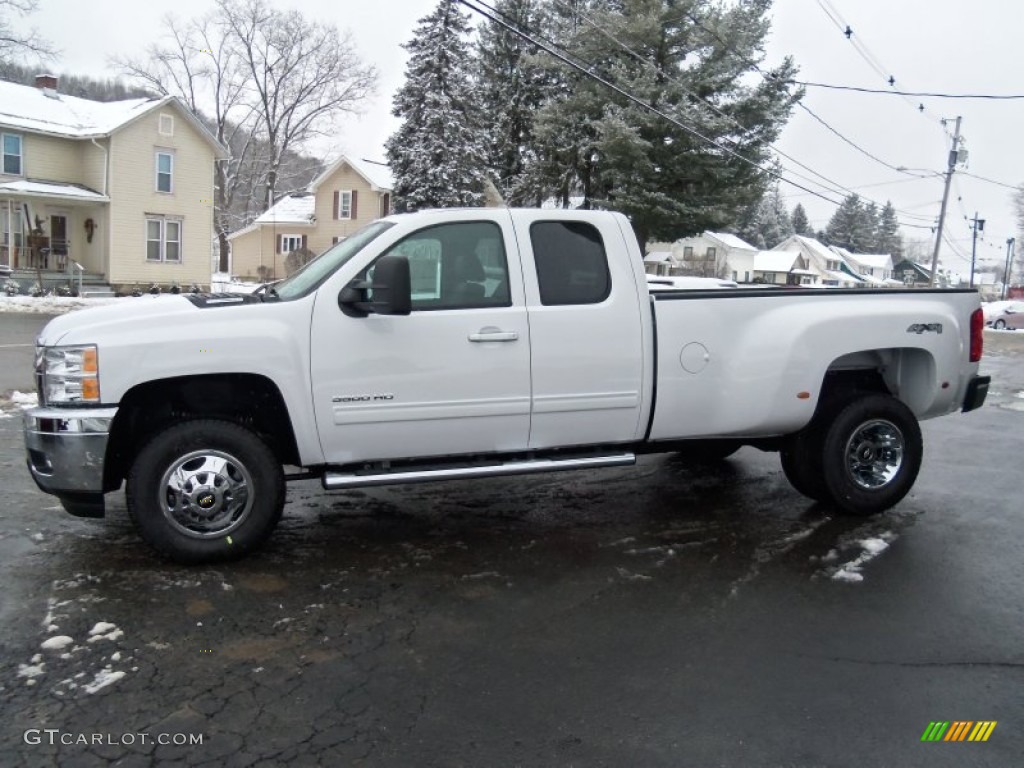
<point>164,171</point>
<point>12,163</point>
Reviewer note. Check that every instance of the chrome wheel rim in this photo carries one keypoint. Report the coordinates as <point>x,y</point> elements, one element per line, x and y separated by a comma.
<point>874,454</point>
<point>206,494</point>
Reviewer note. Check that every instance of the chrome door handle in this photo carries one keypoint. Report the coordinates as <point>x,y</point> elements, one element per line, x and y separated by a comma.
<point>493,334</point>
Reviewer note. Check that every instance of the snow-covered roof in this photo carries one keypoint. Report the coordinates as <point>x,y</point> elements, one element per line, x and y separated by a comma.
<point>30,188</point>
<point>881,261</point>
<point>775,261</point>
<point>731,241</point>
<point>657,257</point>
<point>293,209</point>
<point>43,110</point>
<point>379,177</point>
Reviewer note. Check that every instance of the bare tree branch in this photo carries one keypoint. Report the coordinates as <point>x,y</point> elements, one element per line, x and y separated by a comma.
<point>20,43</point>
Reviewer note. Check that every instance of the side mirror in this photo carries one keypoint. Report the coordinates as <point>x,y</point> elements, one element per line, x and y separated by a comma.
<point>390,290</point>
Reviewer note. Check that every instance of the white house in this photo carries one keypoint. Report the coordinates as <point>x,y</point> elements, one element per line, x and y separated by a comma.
<point>715,253</point>
<point>875,268</point>
<point>782,268</point>
<point>829,267</point>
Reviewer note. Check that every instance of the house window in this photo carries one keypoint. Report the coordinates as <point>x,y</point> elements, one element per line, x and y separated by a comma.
<point>12,154</point>
<point>163,240</point>
<point>711,253</point>
<point>166,125</point>
<point>687,252</point>
<point>164,172</point>
<point>343,204</point>
<point>290,243</point>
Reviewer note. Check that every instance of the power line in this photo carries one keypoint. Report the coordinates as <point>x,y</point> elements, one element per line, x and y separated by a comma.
<point>928,94</point>
<point>991,181</point>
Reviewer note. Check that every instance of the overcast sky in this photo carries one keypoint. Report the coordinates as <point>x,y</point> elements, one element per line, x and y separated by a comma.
<point>927,45</point>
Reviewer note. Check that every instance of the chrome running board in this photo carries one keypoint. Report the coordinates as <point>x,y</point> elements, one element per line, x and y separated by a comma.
<point>333,481</point>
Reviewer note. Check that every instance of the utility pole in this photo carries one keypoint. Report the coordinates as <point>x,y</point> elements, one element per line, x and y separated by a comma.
<point>953,157</point>
<point>977,225</point>
<point>1006,271</point>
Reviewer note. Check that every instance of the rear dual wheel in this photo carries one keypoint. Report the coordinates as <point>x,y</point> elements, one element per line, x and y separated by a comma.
<point>863,455</point>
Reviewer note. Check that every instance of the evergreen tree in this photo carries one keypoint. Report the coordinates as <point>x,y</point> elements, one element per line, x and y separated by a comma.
<point>438,155</point>
<point>869,224</point>
<point>767,223</point>
<point>616,154</point>
<point>801,224</point>
<point>888,239</point>
<point>511,91</point>
<point>852,226</point>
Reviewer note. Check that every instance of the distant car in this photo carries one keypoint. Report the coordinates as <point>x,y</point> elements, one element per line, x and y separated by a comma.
<point>1012,316</point>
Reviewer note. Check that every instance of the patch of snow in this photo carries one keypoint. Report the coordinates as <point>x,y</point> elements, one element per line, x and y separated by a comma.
<point>36,537</point>
<point>51,305</point>
<point>103,678</point>
<point>624,574</point>
<point>101,628</point>
<point>870,549</point>
<point>221,282</point>
<point>115,656</point>
<point>5,415</point>
<point>25,399</point>
<point>847,575</point>
<point>874,546</point>
<point>57,642</point>
<point>31,670</point>
<point>481,575</point>
<point>104,630</point>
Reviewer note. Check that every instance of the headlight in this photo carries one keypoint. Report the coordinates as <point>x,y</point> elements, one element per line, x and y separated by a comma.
<point>68,374</point>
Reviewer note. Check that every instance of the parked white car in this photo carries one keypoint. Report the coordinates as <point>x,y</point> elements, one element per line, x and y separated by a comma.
<point>472,343</point>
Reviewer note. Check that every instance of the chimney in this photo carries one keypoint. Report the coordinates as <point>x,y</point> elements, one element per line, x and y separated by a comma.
<point>46,81</point>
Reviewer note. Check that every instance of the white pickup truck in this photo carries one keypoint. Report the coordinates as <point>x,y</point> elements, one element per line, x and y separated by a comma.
<point>473,343</point>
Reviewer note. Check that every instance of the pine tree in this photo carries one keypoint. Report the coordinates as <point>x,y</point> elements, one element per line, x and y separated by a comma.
<point>767,223</point>
<point>618,155</point>
<point>438,155</point>
<point>852,226</point>
<point>511,91</point>
<point>801,224</point>
<point>888,239</point>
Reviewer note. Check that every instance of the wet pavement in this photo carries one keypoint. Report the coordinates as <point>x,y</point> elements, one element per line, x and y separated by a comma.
<point>666,614</point>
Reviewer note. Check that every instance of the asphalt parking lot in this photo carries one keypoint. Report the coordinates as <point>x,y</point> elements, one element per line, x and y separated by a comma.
<point>660,615</point>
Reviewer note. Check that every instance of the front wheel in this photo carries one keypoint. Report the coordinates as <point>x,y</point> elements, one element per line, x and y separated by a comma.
<point>871,454</point>
<point>999,325</point>
<point>205,491</point>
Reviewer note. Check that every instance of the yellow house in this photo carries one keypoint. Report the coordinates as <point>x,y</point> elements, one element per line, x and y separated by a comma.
<point>122,190</point>
<point>346,196</point>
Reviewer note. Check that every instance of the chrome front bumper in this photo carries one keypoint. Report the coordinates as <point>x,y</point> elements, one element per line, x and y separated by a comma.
<point>66,448</point>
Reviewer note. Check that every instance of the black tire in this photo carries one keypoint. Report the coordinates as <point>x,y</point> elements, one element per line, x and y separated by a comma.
<point>708,451</point>
<point>999,325</point>
<point>871,454</point>
<point>802,463</point>
<point>226,486</point>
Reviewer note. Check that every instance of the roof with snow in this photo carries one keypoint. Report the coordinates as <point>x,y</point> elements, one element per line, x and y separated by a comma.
<point>51,189</point>
<point>775,261</point>
<point>872,260</point>
<point>378,176</point>
<point>731,241</point>
<point>293,209</point>
<point>658,257</point>
<point>49,112</point>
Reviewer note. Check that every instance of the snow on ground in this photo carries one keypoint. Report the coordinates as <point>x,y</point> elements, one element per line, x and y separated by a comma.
<point>57,643</point>
<point>103,678</point>
<point>50,305</point>
<point>221,282</point>
<point>871,548</point>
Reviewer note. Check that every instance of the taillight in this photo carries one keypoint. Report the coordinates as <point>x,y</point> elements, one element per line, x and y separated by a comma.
<point>977,334</point>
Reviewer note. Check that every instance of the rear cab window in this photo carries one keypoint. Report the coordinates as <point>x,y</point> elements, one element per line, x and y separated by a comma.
<point>571,263</point>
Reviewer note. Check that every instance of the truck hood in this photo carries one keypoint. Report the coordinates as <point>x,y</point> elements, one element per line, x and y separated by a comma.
<point>90,326</point>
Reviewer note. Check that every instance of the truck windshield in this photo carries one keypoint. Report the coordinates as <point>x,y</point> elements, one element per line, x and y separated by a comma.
<point>316,271</point>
